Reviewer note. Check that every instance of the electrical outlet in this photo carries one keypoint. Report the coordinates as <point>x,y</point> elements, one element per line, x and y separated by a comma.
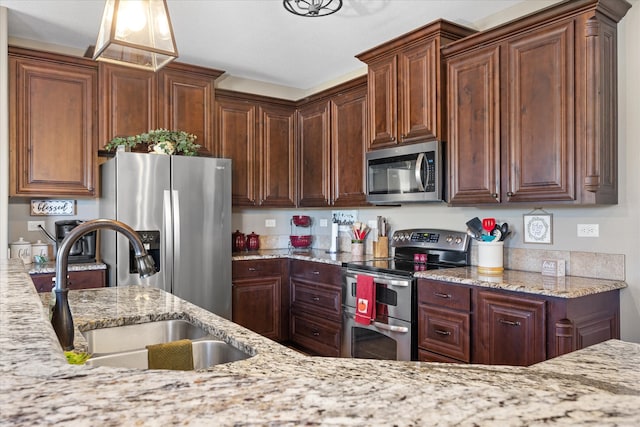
<point>270,223</point>
<point>588,230</point>
<point>324,222</point>
<point>33,225</point>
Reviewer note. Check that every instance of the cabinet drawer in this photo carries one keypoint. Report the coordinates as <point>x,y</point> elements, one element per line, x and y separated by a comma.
<point>316,335</point>
<point>316,297</point>
<point>444,294</point>
<point>77,280</point>
<point>257,268</point>
<point>427,356</point>
<point>445,332</point>
<point>317,272</point>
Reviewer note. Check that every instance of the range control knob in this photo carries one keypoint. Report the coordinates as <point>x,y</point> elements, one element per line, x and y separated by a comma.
<point>458,240</point>
<point>449,238</point>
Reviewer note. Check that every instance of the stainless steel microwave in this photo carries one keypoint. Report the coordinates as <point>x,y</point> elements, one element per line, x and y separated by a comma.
<point>403,174</point>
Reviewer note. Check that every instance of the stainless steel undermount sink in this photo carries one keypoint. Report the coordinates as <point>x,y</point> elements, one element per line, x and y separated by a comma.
<point>206,353</point>
<point>135,337</point>
<point>125,346</point>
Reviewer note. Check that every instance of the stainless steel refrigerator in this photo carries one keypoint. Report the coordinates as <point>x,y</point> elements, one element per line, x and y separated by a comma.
<point>181,208</point>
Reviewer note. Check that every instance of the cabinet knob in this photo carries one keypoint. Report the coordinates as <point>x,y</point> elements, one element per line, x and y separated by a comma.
<point>494,195</point>
<point>393,138</point>
<point>510,194</point>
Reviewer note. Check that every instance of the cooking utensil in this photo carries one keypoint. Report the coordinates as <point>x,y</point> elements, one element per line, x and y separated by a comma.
<point>473,234</point>
<point>497,233</point>
<point>504,228</point>
<point>489,224</point>
<point>475,225</point>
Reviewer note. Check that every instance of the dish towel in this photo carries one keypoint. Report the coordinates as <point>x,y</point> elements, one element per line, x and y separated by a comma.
<point>175,355</point>
<point>365,299</point>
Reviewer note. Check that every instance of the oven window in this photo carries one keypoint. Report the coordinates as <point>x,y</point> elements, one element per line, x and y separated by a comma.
<point>367,344</point>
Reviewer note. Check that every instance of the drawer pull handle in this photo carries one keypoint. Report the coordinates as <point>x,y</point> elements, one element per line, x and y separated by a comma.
<point>441,295</point>
<point>441,332</point>
<point>508,322</point>
<point>316,272</point>
<point>315,298</point>
<point>315,332</point>
<point>252,269</point>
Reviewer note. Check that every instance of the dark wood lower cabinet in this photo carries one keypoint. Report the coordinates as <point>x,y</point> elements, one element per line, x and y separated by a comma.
<point>77,280</point>
<point>316,307</point>
<point>470,324</point>
<point>510,329</point>
<point>260,297</point>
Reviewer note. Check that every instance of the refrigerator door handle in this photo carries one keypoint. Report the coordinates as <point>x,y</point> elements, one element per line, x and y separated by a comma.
<point>176,237</point>
<point>168,241</point>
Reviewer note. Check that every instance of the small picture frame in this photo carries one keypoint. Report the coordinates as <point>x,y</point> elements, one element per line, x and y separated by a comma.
<point>538,227</point>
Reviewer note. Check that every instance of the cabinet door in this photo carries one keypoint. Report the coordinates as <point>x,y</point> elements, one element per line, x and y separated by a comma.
<point>186,103</point>
<point>278,159</point>
<point>383,102</point>
<point>511,329</point>
<point>128,102</point>
<point>348,145</point>
<point>418,106</point>
<point>539,144</point>
<point>256,305</point>
<point>236,140</point>
<point>314,146</point>
<point>474,127</point>
<point>53,125</point>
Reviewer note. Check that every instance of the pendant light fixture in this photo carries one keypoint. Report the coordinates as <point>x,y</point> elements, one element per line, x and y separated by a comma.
<point>312,8</point>
<point>136,33</point>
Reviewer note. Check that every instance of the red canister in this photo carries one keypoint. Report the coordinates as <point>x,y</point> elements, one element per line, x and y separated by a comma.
<point>238,241</point>
<point>253,242</point>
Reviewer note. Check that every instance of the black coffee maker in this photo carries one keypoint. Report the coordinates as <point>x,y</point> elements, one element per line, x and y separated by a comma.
<point>84,249</point>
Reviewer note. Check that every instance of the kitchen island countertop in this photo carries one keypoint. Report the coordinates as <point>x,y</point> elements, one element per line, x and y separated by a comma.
<point>599,385</point>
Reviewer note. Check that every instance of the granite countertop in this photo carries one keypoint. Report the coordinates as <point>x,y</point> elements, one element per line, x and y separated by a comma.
<point>599,385</point>
<point>511,280</point>
<point>50,267</point>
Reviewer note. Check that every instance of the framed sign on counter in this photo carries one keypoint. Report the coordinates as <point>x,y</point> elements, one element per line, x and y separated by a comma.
<point>538,227</point>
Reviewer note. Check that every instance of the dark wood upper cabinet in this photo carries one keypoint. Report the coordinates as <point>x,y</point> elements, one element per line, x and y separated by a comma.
<point>236,121</point>
<point>314,142</point>
<point>532,112</point>
<point>257,133</point>
<point>332,138</point>
<point>186,100</point>
<point>52,125</point>
<point>178,97</point>
<point>406,83</point>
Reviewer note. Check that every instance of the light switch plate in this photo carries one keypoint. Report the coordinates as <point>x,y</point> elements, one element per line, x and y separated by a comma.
<point>270,223</point>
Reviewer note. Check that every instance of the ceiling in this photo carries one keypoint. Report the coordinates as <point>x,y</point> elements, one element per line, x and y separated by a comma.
<point>258,39</point>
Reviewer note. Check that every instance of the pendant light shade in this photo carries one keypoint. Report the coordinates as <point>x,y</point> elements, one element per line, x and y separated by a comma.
<point>136,33</point>
<point>312,8</point>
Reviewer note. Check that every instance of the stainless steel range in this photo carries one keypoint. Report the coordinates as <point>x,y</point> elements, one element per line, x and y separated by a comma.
<point>392,333</point>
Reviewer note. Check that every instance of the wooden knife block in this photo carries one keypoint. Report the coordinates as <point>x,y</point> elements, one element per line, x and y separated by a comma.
<point>381,247</point>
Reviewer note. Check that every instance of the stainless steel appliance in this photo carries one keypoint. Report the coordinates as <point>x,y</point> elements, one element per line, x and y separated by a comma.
<point>181,208</point>
<point>84,249</point>
<point>392,335</point>
<point>407,173</point>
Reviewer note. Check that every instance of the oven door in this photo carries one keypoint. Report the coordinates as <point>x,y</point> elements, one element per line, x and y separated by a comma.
<point>384,341</point>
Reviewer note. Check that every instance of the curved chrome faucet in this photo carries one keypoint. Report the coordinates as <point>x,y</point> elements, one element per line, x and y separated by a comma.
<point>61,317</point>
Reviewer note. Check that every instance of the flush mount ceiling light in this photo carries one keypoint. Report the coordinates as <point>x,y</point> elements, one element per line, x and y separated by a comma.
<point>136,33</point>
<point>312,8</point>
